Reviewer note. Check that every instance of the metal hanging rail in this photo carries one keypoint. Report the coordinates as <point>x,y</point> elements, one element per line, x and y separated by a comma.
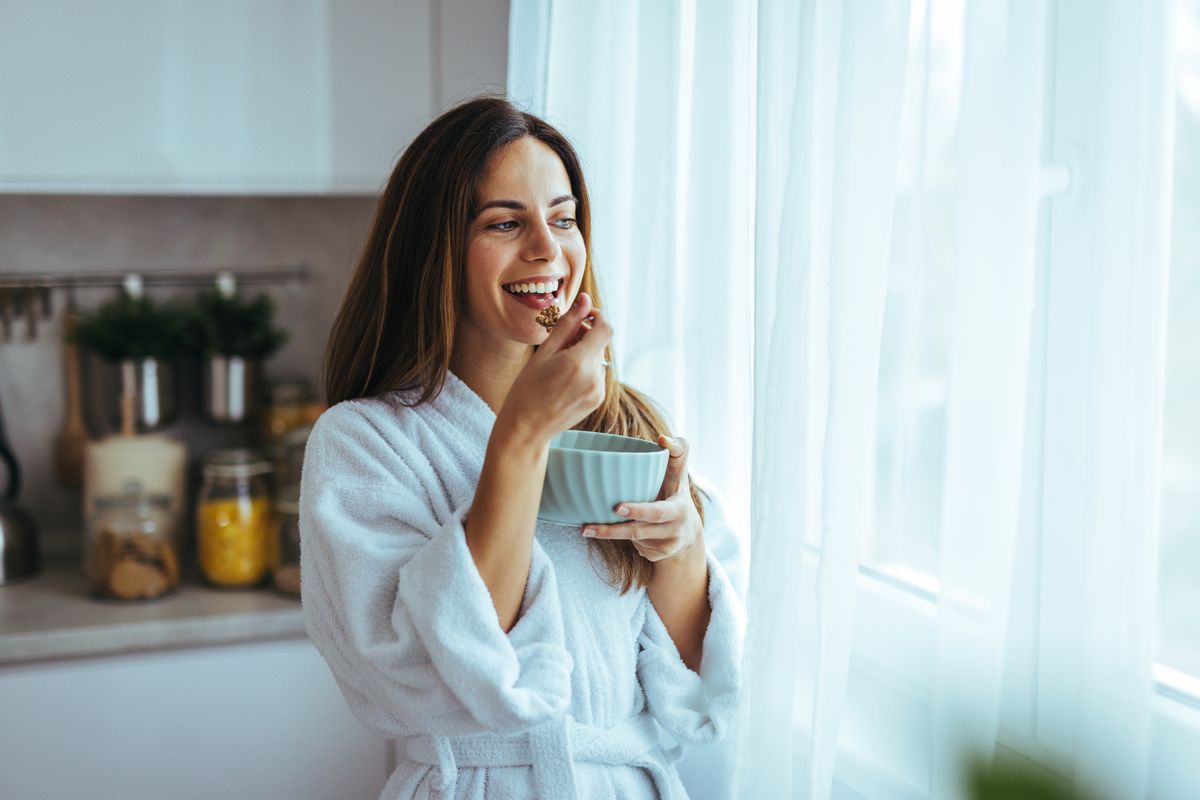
<point>289,276</point>
<point>27,295</point>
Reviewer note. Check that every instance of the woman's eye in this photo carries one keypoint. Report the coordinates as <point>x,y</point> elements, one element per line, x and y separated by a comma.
<point>563,223</point>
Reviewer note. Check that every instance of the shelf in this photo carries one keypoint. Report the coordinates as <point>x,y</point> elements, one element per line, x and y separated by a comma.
<point>52,617</point>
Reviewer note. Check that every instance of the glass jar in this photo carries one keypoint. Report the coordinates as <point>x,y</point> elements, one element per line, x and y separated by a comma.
<point>235,529</point>
<point>130,552</point>
<point>287,455</point>
<point>285,409</point>
<point>285,573</point>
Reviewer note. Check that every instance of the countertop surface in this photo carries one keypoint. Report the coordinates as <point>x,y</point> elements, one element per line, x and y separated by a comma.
<point>51,616</point>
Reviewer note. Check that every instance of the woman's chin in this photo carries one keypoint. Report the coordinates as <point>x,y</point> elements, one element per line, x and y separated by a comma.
<point>535,338</point>
<point>532,334</point>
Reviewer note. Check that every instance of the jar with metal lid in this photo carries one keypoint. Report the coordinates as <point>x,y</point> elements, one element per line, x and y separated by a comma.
<point>287,455</point>
<point>235,527</point>
<point>284,411</point>
<point>285,572</point>
<point>130,552</point>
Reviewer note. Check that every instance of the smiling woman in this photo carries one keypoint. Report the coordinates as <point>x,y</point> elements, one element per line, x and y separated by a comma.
<point>524,250</point>
<point>485,639</point>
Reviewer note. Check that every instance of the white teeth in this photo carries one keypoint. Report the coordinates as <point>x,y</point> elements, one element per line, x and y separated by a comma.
<point>535,288</point>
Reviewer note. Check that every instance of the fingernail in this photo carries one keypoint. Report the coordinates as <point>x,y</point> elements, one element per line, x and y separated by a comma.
<point>589,532</point>
<point>623,511</point>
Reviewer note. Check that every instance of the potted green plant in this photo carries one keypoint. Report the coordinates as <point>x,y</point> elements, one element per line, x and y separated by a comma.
<point>1012,780</point>
<point>133,343</point>
<point>232,337</point>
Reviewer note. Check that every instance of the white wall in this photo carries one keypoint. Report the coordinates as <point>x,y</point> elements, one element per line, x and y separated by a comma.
<point>472,48</point>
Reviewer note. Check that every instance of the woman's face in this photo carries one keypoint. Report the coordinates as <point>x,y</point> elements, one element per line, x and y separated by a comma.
<point>524,235</point>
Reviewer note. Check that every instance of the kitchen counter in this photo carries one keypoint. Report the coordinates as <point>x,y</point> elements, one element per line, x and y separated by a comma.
<point>52,617</point>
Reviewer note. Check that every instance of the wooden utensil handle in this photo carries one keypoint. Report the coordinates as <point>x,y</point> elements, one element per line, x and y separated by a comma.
<point>71,357</point>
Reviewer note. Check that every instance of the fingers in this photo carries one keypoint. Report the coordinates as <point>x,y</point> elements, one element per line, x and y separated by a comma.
<point>585,325</point>
<point>568,326</point>
<point>653,542</point>
<point>678,447</point>
<point>655,513</point>
<point>633,531</point>
<point>594,336</point>
<point>647,521</point>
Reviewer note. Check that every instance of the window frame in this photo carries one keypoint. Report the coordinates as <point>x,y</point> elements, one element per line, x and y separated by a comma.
<point>900,678</point>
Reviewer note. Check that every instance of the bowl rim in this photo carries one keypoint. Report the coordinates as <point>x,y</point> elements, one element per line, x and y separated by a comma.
<point>658,449</point>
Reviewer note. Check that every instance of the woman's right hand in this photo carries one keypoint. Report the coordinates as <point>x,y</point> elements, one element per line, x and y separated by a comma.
<point>564,379</point>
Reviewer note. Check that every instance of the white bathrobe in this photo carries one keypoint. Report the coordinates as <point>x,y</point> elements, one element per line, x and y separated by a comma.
<point>569,703</point>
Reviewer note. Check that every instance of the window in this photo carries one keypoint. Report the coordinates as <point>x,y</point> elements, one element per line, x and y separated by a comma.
<point>911,416</point>
<point>1179,518</point>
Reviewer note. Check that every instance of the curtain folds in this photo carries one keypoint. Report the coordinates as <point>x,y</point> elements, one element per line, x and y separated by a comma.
<point>831,80</point>
<point>768,179</point>
<point>673,225</point>
<point>996,194</point>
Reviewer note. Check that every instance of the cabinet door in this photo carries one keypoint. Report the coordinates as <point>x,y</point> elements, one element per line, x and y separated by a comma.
<point>199,96</point>
<point>262,720</point>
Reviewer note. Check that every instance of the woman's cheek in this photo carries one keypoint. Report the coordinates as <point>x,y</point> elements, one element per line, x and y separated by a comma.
<point>578,261</point>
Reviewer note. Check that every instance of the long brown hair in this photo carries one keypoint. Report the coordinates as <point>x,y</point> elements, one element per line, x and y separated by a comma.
<point>395,329</point>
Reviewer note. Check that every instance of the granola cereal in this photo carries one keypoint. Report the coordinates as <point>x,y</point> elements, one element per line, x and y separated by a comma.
<point>132,566</point>
<point>548,317</point>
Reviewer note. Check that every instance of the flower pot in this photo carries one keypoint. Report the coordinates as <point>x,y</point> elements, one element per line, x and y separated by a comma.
<point>151,383</point>
<point>231,387</point>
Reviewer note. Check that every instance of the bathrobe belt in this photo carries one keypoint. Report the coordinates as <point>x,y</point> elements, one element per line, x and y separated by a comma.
<point>552,750</point>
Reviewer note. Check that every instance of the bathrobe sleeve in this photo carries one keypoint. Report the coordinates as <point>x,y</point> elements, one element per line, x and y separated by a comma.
<point>697,708</point>
<point>394,603</point>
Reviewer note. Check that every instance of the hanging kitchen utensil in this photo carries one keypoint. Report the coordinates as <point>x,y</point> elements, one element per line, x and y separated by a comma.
<point>19,552</point>
<point>31,312</point>
<point>6,302</point>
<point>18,302</point>
<point>71,440</point>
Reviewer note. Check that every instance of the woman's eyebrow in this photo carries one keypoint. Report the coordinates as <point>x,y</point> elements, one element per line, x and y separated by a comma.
<point>519,206</point>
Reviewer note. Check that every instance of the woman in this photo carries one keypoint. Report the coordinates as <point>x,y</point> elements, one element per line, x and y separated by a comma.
<point>513,657</point>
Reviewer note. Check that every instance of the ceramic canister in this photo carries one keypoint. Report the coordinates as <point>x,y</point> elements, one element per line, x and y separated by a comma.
<point>158,462</point>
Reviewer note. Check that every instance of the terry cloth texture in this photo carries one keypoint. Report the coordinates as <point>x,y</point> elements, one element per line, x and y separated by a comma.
<point>570,702</point>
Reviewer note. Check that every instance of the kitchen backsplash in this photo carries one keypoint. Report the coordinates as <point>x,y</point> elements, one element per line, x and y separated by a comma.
<point>40,233</point>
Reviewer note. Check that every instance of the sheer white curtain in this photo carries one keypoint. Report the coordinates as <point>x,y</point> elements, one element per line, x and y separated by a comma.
<point>830,84</point>
<point>747,161</point>
<point>658,99</point>
<point>996,193</point>
<point>1108,256</point>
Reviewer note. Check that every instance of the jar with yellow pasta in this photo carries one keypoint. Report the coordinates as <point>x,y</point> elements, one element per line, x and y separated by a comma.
<point>235,526</point>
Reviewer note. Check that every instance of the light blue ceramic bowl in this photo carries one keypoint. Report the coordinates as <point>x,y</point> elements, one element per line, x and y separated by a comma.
<point>588,474</point>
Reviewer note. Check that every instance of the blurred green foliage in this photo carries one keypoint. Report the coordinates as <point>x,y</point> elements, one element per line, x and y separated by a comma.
<point>1009,781</point>
<point>230,326</point>
<point>132,328</point>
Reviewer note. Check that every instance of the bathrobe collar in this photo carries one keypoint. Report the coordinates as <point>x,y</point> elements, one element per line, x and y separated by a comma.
<point>463,410</point>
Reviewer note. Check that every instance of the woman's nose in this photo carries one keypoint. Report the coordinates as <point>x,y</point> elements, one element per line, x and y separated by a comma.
<point>540,244</point>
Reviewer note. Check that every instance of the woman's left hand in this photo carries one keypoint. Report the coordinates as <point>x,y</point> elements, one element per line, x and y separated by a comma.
<point>667,527</point>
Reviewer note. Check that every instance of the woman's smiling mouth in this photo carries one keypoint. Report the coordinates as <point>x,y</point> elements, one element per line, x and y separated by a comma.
<point>537,292</point>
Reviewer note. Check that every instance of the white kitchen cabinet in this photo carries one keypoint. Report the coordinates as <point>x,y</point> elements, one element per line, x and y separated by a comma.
<point>262,720</point>
<point>211,96</point>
